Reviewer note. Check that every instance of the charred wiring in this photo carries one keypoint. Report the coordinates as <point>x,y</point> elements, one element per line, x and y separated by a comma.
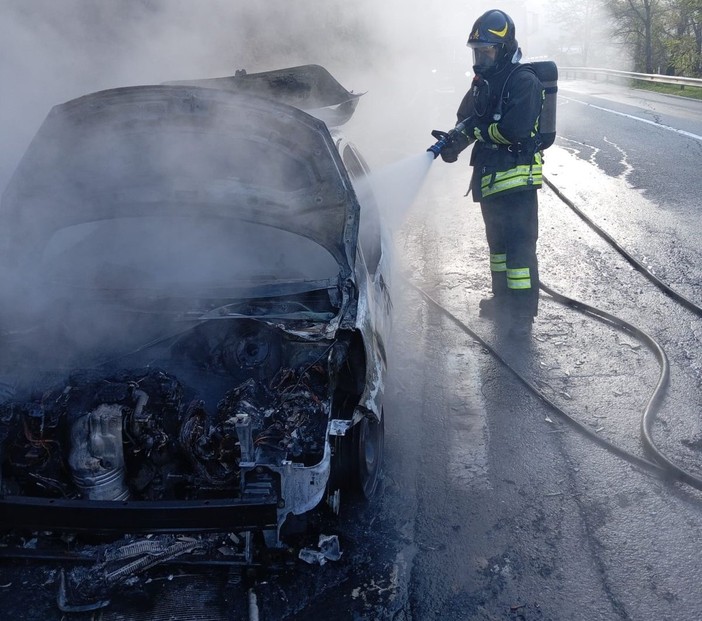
<point>134,435</point>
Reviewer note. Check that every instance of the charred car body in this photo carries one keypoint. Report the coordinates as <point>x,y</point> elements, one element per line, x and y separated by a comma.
<point>200,342</point>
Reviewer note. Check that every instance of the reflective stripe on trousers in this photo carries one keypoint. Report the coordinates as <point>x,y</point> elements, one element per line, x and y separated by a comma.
<point>498,262</point>
<point>518,278</point>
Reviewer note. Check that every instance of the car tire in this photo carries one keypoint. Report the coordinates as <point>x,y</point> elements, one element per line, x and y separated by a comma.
<point>358,457</point>
<point>369,445</point>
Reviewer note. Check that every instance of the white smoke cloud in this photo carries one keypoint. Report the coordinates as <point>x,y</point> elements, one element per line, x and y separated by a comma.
<point>408,56</point>
<point>53,51</point>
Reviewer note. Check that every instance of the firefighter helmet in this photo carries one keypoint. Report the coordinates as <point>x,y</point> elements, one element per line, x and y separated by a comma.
<point>493,42</point>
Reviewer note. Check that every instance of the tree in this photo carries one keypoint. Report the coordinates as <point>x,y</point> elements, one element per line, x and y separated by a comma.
<point>585,35</point>
<point>574,19</point>
<point>684,37</point>
<point>638,26</point>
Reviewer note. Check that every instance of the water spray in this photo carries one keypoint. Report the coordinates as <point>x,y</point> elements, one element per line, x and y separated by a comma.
<point>396,187</point>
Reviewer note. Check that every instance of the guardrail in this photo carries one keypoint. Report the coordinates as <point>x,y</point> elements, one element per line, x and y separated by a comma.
<point>594,73</point>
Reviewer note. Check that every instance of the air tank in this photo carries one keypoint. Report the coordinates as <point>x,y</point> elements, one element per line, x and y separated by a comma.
<point>547,72</point>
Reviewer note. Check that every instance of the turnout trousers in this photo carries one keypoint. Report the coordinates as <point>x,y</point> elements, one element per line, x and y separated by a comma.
<point>512,229</point>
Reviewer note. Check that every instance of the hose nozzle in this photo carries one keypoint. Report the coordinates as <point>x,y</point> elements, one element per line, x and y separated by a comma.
<point>442,139</point>
<point>445,138</point>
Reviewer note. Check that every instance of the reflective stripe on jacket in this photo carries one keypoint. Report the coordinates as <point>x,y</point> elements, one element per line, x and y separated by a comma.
<point>522,176</point>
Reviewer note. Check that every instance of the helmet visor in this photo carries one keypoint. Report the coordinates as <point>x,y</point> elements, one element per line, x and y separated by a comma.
<point>485,55</point>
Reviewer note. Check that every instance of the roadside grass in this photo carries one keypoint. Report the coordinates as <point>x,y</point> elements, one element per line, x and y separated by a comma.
<point>693,92</point>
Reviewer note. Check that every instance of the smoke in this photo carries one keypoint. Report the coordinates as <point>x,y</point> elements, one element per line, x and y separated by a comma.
<point>54,51</point>
<point>408,57</point>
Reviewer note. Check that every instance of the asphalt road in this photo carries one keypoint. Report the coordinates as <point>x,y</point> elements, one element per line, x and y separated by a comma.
<point>491,508</point>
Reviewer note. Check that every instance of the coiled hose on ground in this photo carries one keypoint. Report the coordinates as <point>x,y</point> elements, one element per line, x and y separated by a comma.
<point>661,465</point>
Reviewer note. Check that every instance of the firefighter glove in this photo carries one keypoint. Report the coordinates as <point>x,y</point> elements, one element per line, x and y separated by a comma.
<point>455,143</point>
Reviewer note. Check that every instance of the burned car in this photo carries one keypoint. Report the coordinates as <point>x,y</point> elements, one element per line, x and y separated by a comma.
<point>193,342</point>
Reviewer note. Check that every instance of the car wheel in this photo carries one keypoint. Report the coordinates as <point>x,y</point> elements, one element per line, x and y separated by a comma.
<point>341,477</point>
<point>357,460</point>
<point>369,446</point>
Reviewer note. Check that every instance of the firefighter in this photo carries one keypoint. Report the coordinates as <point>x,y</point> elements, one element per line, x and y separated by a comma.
<point>501,111</point>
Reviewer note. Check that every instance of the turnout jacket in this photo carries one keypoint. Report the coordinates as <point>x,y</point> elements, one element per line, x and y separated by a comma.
<point>504,115</point>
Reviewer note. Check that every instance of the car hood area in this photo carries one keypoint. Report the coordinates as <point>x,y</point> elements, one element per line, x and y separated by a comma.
<point>184,152</point>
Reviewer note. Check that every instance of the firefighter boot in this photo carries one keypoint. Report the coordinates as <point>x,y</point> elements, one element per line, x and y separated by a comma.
<point>497,306</point>
<point>523,310</point>
<point>494,308</point>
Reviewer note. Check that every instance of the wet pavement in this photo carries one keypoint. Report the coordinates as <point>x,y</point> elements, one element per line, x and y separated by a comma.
<point>491,507</point>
